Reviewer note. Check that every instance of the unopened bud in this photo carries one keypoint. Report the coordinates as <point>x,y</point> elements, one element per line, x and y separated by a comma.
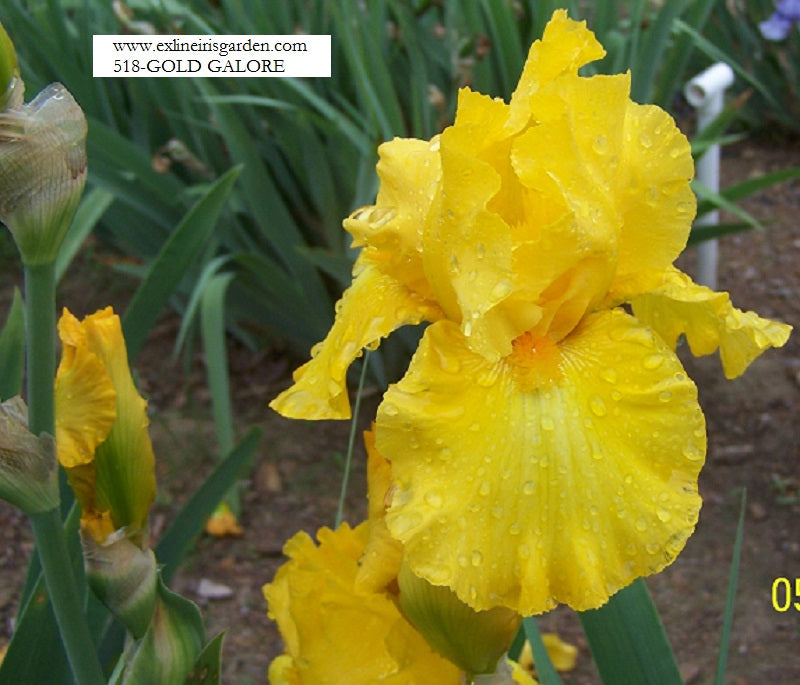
<point>28,468</point>
<point>124,578</point>
<point>172,644</point>
<point>42,169</point>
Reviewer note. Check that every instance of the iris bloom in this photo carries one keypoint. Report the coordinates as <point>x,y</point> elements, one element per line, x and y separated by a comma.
<point>545,442</point>
<point>780,22</point>
<point>101,428</point>
<point>336,633</point>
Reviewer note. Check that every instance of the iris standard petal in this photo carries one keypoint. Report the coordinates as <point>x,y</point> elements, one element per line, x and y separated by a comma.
<point>565,46</point>
<point>372,307</point>
<point>559,474</point>
<point>85,399</point>
<point>709,321</point>
<point>335,634</point>
<point>390,231</point>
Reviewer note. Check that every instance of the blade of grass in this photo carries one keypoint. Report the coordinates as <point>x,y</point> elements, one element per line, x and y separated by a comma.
<point>189,522</point>
<point>172,262</point>
<point>727,620</point>
<point>12,349</point>
<point>546,673</point>
<point>628,641</point>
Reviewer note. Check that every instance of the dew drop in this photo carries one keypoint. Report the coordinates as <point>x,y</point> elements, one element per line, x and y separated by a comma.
<point>652,548</point>
<point>524,552</point>
<point>474,427</point>
<point>477,558</point>
<point>665,396</point>
<point>663,515</point>
<point>463,562</point>
<point>597,454</point>
<point>484,489</point>
<point>389,409</point>
<point>609,375</point>
<point>692,453</point>
<point>598,406</point>
<point>653,361</point>
<point>547,423</point>
<point>646,139</point>
<point>651,196</point>
<point>434,499</point>
<point>502,289</point>
<point>600,145</point>
<point>513,529</point>
<point>480,250</point>
<point>528,487</point>
<point>641,525</point>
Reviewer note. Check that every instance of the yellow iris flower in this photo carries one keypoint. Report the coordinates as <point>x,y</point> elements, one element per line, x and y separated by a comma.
<point>101,428</point>
<point>337,633</point>
<point>545,442</point>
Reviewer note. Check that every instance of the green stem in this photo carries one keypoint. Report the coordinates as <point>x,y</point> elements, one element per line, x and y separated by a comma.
<point>67,604</point>
<point>40,321</point>
<point>351,441</point>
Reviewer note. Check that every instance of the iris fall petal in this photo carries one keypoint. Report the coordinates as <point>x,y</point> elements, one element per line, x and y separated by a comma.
<point>558,474</point>
<point>709,320</point>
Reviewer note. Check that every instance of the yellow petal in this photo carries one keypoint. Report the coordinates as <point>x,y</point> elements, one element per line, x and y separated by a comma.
<point>466,248</point>
<point>283,672</point>
<point>566,45</point>
<point>558,474</point>
<point>122,481</point>
<point>85,399</point>
<point>390,232</point>
<point>709,320</point>
<point>223,523</point>
<point>335,634</point>
<point>372,307</point>
<point>652,184</point>
<point>562,654</point>
<point>383,555</point>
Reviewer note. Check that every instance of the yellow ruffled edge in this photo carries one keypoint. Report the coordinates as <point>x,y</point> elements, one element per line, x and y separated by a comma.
<point>372,307</point>
<point>708,319</point>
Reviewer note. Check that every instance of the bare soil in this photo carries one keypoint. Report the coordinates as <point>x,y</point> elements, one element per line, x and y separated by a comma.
<point>753,427</point>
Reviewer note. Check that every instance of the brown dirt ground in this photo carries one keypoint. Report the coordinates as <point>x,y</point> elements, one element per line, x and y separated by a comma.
<point>753,443</point>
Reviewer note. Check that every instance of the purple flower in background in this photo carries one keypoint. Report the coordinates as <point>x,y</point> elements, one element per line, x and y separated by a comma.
<point>777,27</point>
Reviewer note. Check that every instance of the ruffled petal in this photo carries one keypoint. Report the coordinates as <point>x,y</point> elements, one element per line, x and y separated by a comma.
<point>566,45</point>
<point>653,191</point>
<point>559,474</point>
<point>335,634</point>
<point>85,398</point>
<point>372,307</point>
<point>390,231</point>
<point>117,479</point>
<point>383,555</point>
<point>709,321</point>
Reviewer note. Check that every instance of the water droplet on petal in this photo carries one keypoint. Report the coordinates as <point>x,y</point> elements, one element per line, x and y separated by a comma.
<point>463,562</point>
<point>389,409</point>
<point>434,499</point>
<point>524,552</point>
<point>609,375</point>
<point>477,558</point>
<point>547,423</point>
<point>600,144</point>
<point>641,525</point>
<point>663,515</point>
<point>484,489</point>
<point>528,487</point>
<point>692,453</point>
<point>653,361</point>
<point>598,406</point>
<point>514,529</point>
<point>665,396</point>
